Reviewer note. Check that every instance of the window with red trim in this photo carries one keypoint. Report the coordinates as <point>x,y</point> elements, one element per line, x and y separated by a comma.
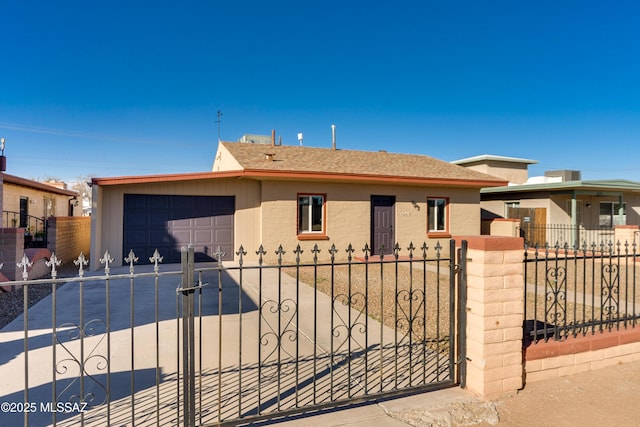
<point>311,213</point>
<point>437,215</point>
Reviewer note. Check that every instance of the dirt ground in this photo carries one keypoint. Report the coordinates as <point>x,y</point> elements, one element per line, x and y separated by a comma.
<point>604,397</point>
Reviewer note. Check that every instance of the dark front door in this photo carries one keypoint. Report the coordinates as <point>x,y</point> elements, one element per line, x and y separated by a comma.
<point>24,211</point>
<point>382,224</point>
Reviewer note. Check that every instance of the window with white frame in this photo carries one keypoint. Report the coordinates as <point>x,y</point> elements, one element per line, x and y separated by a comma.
<point>610,214</point>
<point>437,215</point>
<point>509,205</point>
<point>310,213</point>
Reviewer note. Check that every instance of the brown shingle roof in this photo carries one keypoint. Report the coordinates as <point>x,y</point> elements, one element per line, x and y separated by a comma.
<point>352,162</point>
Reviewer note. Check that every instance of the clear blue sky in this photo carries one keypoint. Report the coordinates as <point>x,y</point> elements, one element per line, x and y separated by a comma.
<point>132,87</point>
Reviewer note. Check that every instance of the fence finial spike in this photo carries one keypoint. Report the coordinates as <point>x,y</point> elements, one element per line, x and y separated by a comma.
<point>81,262</point>
<point>131,259</point>
<point>366,251</point>
<point>53,263</point>
<point>315,251</point>
<point>298,250</point>
<point>350,252</point>
<point>25,264</point>
<point>155,259</point>
<point>219,254</point>
<point>106,260</point>
<point>332,251</point>
<point>280,252</point>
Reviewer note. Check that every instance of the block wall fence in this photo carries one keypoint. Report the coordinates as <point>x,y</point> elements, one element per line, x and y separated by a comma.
<point>68,236</point>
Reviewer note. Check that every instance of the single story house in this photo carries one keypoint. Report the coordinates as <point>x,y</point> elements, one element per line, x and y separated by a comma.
<point>27,203</point>
<point>559,206</point>
<point>272,195</point>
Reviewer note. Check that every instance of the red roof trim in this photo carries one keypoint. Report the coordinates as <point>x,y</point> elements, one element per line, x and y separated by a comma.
<point>120,180</point>
<point>12,179</point>
<point>261,173</point>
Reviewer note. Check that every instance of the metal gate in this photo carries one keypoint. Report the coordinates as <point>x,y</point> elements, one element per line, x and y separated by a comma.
<point>235,342</point>
<point>293,337</point>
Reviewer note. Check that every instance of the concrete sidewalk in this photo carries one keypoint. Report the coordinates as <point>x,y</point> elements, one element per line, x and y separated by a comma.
<point>604,397</point>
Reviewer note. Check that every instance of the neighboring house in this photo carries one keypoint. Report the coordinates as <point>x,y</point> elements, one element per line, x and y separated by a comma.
<point>27,203</point>
<point>560,206</point>
<point>288,195</point>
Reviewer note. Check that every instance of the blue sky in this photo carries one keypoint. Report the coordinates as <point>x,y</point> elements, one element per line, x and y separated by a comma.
<point>132,88</point>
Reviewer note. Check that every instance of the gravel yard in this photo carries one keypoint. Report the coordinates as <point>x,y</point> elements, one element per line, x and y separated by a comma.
<point>12,303</point>
<point>409,284</point>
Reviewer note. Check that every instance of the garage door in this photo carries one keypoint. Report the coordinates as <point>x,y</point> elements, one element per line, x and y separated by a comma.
<point>167,223</point>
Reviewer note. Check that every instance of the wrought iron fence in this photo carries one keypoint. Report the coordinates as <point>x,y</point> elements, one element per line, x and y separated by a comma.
<point>234,342</point>
<point>560,234</point>
<point>35,228</point>
<point>571,292</point>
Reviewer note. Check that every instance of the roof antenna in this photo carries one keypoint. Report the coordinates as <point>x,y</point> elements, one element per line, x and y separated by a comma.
<point>300,138</point>
<point>219,114</point>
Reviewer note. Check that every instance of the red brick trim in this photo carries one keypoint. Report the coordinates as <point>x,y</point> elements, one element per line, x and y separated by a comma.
<point>492,243</point>
<point>312,236</point>
<point>581,344</point>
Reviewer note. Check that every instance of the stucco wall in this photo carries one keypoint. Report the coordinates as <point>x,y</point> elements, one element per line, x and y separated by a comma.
<point>108,205</point>
<point>348,215</point>
<point>516,173</point>
<point>11,201</point>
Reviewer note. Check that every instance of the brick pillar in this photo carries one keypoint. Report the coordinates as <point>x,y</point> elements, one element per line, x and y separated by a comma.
<point>495,314</point>
<point>11,251</point>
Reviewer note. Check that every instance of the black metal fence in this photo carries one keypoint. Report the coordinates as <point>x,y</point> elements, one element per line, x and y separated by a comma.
<point>561,234</point>
<point>571,292</point>
<point>234,342</point>
<point>35,228</point>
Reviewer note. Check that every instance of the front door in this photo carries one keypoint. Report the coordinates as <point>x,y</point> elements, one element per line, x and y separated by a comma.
<point>24,212</point>
<point>382,224</point>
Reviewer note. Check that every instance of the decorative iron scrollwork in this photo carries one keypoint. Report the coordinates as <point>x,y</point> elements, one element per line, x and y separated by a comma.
<point>86,365</point>
<point>556,294</point>
<point>610,291</point>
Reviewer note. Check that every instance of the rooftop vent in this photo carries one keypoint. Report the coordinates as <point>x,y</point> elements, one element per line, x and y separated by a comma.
<point>565,175</point>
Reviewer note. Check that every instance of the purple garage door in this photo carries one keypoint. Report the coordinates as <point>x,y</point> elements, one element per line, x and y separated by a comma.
<point>168,222</point>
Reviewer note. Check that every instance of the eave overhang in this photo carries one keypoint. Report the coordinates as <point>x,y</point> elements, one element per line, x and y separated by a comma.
<point>262,174</point>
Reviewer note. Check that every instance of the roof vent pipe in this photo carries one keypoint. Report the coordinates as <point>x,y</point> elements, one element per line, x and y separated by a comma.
<point>333,137</point>
<point>273,137</point>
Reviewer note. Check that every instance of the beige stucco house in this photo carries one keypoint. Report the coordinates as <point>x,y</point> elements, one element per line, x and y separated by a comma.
<point>27,203</point>
<point>274,195</point>
<point>559,206</point>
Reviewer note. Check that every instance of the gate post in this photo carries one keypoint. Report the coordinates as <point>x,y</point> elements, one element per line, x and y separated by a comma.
<point>187,256</point>
<point>494,314</point>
